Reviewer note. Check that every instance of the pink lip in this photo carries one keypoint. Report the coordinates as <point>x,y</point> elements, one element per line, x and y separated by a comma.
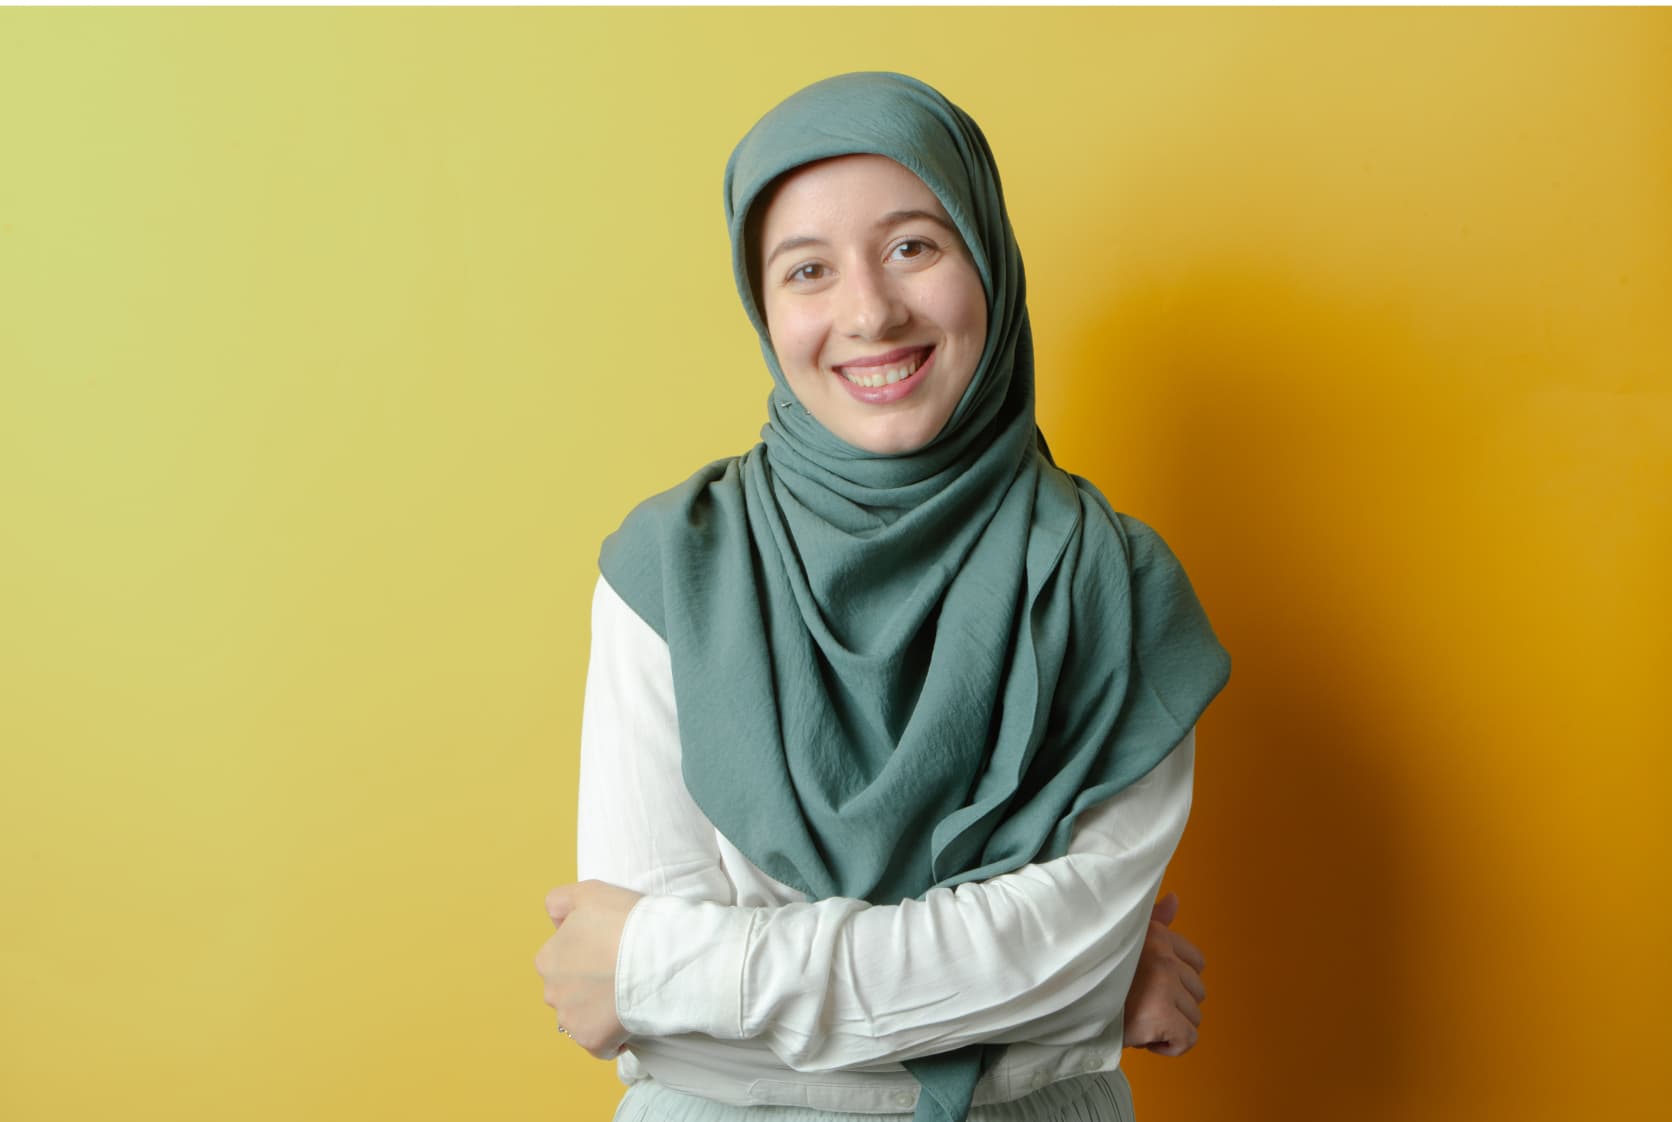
<point>899,354</point>
<point>883,395</point>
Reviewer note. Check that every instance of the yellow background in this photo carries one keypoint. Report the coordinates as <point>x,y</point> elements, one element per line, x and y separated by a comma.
<point>333,342</point>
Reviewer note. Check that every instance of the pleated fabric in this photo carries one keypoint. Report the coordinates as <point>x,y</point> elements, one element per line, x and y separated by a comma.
<point>1105,1097</point>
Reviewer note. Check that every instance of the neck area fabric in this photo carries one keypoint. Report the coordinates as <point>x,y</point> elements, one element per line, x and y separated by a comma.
<point>895,673</point>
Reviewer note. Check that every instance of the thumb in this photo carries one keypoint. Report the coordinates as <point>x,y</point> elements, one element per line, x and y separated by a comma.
<point>1166,909</point>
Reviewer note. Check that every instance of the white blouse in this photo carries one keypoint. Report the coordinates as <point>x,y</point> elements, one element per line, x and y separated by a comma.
<point>736,988</point>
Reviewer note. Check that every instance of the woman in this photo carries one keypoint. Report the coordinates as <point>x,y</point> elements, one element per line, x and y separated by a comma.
<point>889,723</point>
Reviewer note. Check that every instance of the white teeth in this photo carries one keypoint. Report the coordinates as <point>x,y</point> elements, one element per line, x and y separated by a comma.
<point>883,375</point>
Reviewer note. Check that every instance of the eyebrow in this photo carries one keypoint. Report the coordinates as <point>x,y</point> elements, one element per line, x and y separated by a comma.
<point>892,218</point>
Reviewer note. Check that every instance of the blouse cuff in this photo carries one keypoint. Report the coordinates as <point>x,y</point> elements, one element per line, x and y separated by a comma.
<point>680,968</point>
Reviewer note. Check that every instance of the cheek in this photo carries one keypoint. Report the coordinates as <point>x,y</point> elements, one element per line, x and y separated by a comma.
<point>954,299</point>
<point>796,339</point>
<point>962,312</point>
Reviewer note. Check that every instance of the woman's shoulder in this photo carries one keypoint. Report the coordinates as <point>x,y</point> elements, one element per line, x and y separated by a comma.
<point>612,615</point>
<point>1142,545</point>
<point>1167,615</point>
<point>672,531</point>
<point>712,484</point>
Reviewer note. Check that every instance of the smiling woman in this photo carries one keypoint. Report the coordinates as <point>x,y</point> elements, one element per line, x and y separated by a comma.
<point>872,302</point>
<point>889,726</point>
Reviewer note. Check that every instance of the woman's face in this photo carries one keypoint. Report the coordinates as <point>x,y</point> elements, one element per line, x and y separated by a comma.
<point>872,303</point>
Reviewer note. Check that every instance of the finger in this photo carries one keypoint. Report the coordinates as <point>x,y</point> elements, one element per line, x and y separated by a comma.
<point>1165,909</point>
<point>597,1045</point>
<point>610,1049</point>
<point>1179,1039</point>
<point>560,901</point>
<point>1168,1047</point>
<point>1188,952</point>
<point>1187,1005</point>
<point>1193,982</point>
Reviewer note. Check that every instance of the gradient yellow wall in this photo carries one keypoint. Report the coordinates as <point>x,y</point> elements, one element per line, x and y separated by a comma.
<point>333,342</point>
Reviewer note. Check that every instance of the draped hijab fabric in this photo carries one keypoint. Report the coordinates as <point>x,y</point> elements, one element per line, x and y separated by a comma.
<point>900,672</point>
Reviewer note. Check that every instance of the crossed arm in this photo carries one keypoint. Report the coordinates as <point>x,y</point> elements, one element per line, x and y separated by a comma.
<point>662,942</point>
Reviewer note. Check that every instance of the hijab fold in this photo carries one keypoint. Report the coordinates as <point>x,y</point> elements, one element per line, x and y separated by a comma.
<point>895,673</point>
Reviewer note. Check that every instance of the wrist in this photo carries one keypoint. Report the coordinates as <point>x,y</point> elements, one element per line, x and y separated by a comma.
<point>679,968</point>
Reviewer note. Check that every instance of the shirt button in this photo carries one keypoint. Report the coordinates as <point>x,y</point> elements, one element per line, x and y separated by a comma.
<point>903,1098</point>
<point>1039,1080</point>
<point>1093,1063</point>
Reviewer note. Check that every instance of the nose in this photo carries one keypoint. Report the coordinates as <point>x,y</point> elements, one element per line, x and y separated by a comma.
<point>873,307</point>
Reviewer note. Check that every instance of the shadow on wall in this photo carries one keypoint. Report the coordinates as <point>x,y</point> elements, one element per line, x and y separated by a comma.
<point>1295,525</point>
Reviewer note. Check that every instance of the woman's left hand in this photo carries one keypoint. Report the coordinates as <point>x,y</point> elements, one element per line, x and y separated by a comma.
<point>578,962</point>
<point>1164,1005</point>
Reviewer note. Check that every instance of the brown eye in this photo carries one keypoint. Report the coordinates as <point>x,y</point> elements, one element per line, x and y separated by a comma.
<point>912,248</point>
<point>811,271</point>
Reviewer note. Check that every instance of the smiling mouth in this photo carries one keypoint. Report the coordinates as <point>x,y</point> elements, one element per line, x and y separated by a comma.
<point>885,370</point>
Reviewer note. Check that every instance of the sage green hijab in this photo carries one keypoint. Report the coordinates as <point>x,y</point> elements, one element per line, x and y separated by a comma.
<point>901,672</point>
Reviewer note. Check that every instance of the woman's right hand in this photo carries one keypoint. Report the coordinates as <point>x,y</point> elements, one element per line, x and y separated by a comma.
<point>1163,1007</point>
<point>578,962</point>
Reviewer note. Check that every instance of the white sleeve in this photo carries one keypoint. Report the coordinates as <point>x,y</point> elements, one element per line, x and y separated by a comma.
<point>637,825</point>
<point>1045,954</point>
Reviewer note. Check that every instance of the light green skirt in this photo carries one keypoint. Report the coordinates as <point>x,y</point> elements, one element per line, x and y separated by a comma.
<point>1104,1097</point>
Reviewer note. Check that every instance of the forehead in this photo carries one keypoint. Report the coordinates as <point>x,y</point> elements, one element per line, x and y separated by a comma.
<point>844,189</point>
